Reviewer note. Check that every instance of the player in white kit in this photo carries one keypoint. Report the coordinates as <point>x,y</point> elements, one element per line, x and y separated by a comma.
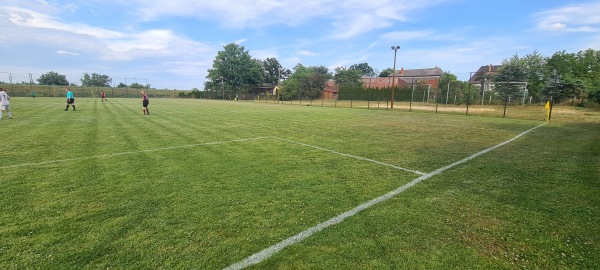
<point>4,103</point>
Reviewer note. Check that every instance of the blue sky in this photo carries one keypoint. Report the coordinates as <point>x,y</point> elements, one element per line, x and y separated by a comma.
<point>171,44</point>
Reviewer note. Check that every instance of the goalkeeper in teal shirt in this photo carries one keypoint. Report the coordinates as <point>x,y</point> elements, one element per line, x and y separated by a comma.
<point>70,99</point>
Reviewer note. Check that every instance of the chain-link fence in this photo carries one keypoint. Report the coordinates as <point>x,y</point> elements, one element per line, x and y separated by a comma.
<point>452,98</point>
<point>24,84</point>
<point>36,90</point>
<point>456,99</point>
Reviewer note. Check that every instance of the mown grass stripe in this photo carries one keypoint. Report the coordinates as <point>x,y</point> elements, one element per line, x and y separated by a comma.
<point>129,153</point>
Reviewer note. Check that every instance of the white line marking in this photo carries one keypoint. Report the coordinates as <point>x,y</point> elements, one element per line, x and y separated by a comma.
<point>270,251</point>
<point>352,156</point>
<point>129,153</point>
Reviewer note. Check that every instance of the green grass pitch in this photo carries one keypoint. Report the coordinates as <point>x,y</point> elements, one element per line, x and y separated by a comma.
<point>202,184</point>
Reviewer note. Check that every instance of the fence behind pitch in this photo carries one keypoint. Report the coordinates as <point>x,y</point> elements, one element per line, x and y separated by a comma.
<point>26,90</point>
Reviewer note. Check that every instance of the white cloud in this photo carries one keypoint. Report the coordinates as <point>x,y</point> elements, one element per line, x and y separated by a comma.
<point>31,19</point>
<point>106,44</point>
<point>152,40</point>
<point>157,44</point>
<point>583,17</point>
<point>348,18</point>
<point>160,52</point>
<point>408,35</point>
<point>557,26</point>
<point>240,41</point>
<point>67,53</point>
<point>306,53</point>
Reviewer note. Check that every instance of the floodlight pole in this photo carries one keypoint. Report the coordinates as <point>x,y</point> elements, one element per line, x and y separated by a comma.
<point>395,48</point>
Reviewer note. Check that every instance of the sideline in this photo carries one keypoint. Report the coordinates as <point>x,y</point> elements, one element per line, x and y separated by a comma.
<point>352,156</point>
<point>272,250</point>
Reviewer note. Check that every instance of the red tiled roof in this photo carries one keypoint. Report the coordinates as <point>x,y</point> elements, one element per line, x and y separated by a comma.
<point>485,71</point>
<point>419,72</point>
<point>381,82</point>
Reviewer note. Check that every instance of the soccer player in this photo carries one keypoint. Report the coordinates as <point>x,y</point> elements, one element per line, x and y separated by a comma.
<point>103,95</point>
<point>4,103</point>
<point>70,99</point>
<point>145,103</point>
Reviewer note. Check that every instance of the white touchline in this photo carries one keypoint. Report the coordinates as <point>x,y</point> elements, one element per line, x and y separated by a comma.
<point>352,156</point>
<point>272,250</point>
<point>130,152</point>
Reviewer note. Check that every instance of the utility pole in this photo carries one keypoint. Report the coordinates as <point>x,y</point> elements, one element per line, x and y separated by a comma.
<point>395,48</point>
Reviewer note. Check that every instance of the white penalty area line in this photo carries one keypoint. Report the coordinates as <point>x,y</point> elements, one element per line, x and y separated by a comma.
<point>130,152</point>
<point>351,156</point>
<point>272,250</point>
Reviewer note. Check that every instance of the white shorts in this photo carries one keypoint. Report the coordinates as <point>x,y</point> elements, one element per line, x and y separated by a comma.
<point>5,108</point>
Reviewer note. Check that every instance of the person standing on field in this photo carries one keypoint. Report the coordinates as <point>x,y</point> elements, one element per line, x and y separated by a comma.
<point>145,103</point>
<point>4,103</point>
<point>70,99</point>
<point>103,95</point>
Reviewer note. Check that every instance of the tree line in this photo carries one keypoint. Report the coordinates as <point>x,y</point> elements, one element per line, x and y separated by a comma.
<point>234,72</point>
<point>562,77</point>
<point>91,80</point>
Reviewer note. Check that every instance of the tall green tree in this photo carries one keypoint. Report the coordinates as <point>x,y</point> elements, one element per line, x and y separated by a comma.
<point>348,78</point>
<point>235,69</point>
<point>508,81</point>
<point>386,72</point>
<point>574,76</point>
<point>449,83</point>
<point>563,76</point>
<point>53,78</point>
<point>588,70</point>
<point>274,72</point>
<point>447,78</point>
<point>364,68</point>
<point>95,80</point>
<point>537,74</point>
<point>306,82</point>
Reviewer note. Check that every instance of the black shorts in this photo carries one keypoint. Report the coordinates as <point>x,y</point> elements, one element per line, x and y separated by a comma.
<point>145,103</point>
<point>70,101</point>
